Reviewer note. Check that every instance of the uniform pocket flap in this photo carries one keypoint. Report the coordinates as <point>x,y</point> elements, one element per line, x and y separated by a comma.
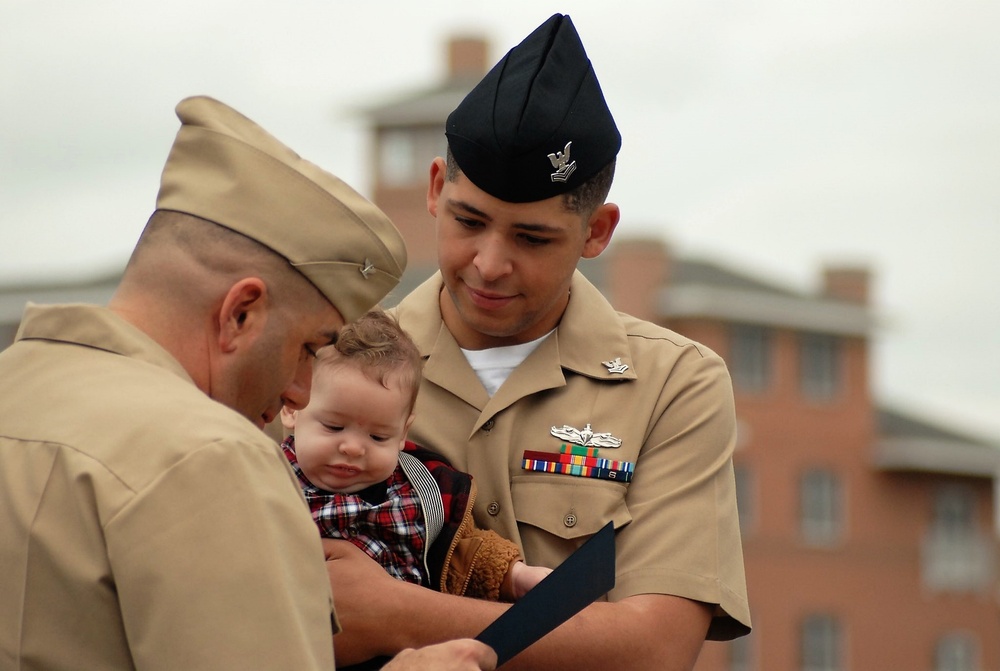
<point>567,506</point>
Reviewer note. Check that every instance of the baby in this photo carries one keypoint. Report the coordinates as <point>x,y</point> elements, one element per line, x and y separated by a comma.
<point>365,483</point>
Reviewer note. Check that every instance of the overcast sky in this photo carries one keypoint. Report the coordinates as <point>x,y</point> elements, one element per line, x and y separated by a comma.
<point>774,136</point>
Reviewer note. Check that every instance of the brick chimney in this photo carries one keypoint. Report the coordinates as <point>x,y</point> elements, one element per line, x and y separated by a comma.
<point>466,58</point>
<point>847,283</point>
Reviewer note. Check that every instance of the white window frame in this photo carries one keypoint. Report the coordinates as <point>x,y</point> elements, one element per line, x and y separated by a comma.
<point>820,366</point>
<point>956,651</point>
<point>822,643</point>
<point>751,357</point>
<point>821,507</point>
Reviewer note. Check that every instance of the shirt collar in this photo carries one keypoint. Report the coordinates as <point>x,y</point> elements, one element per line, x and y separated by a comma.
<point>96,327</point>
<point>589,333</point>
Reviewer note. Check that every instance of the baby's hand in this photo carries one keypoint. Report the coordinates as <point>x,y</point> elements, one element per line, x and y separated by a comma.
<point>524,577</point>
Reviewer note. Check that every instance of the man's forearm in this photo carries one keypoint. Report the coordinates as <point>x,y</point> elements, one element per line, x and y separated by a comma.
<point>650,632</point>
<point>381,616</point>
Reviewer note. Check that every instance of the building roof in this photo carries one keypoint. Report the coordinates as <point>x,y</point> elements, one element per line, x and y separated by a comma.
<point>906,443</point>
<point>429,106</point>
<point>696,271</point>
<point>699,288</point>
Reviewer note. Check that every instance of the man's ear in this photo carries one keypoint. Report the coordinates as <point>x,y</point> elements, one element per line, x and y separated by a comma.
<point>439,168</point>
<point>600,228</point>
<point>243,313</point>
<point>288,418</point>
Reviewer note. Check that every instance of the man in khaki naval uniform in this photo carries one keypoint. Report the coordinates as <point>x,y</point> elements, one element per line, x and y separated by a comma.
<point>523,356</point>
<point>147,521</point>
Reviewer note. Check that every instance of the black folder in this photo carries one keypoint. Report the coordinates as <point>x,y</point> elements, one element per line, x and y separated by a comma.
<point>586,575</point>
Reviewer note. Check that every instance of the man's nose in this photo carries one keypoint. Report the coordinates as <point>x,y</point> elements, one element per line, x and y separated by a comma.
<point>492,260</point>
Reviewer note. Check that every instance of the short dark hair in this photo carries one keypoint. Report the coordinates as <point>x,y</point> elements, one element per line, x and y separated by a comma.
<point>584,199</point>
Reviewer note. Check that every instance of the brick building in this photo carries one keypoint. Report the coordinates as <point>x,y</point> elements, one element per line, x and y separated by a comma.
<point>869,537</point>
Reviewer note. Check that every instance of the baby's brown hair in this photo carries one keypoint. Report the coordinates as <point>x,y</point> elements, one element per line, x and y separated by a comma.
<point>377,346</point>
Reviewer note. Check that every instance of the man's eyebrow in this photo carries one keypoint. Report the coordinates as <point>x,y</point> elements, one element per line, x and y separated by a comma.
<point>538,228</point>
<point>466,207</point>
<point>523,226</point>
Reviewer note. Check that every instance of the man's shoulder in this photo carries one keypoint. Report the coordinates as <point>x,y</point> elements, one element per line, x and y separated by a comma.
<point>125,416</point>
<point>422,297</point>
<point>184,423</point>
<point>419,313</point>
<point>640,331</point>
<point>589,311</point>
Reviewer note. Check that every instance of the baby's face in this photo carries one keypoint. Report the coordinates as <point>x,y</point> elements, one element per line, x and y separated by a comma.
<point>349,436</point>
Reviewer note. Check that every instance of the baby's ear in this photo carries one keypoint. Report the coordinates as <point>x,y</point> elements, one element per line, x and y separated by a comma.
<point>288,418</point>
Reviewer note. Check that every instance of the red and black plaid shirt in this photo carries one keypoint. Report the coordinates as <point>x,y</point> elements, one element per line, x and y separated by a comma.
<point>390,529</point>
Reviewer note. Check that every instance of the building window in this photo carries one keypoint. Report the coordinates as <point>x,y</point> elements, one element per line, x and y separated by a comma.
<point>405,154</point>
<point>819,366</point>
<point>397,163</point>
<point>821,644</point>
<point>745,497</point>
<point>954,515</point>
<point>821,502</point>
<point>956,652</point>
<point>956,557</point>
<point>750,357</point>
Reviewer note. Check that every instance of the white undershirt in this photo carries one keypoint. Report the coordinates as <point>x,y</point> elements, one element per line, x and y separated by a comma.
<point>494,365</point>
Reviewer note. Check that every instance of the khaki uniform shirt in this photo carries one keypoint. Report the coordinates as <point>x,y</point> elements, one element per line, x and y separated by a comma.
<point>677,530</point>
<point>144,525</point>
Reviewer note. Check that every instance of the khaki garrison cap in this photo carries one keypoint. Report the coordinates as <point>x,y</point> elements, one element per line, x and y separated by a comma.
<point>225,168</point>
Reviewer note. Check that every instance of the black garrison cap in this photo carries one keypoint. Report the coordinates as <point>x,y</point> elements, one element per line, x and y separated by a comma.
<point>537,125</point>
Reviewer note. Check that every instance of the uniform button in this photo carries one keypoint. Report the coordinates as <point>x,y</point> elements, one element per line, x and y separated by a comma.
<point>570,520</point>
<point>488,425</point>
<point>493,508</point>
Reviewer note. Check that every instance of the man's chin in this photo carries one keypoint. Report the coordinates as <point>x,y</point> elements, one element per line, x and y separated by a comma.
<point>487,323</point>
<point>498,332</point>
